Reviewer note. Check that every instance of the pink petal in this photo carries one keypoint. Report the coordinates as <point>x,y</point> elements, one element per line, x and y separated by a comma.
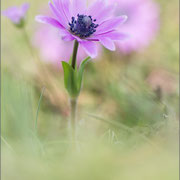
<point>100,11</point>
<point>111,24</point>
<point>59,14</point>
<point>107,12</point>
<point>49,20</point>
<point>90,48</point>
<point>108,43</point>
<point>63,6</point>
<point>77,38</point>
<point>78,7</point>
<point>68,37</point>
<point>116,36</point>
<point>24,8</point>
<point>95,7</point>
<point>113,35</point>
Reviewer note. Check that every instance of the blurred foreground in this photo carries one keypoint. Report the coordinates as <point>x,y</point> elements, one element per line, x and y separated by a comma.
<point>127,116</point>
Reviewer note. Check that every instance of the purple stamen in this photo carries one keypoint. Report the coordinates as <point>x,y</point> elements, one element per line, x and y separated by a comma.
<point>83,26</point>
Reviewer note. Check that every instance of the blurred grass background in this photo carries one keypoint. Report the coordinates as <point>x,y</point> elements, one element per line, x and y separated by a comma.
<point>127,129</point>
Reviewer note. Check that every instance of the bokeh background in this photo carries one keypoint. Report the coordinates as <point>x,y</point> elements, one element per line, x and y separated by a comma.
<point>127,114</point>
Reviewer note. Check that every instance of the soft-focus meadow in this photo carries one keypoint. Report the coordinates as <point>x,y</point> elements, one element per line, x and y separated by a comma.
<point>127,114</point>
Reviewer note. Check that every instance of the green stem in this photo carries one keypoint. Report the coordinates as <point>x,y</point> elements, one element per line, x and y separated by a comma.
<point>73,101</point>
<point>75,50</point>
<point>73,135</point>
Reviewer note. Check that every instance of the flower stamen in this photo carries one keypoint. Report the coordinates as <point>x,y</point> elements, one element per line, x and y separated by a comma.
<point>84,26</point>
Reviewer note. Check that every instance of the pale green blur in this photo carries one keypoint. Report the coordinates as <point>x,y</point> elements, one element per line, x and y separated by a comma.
<point>124,131</point>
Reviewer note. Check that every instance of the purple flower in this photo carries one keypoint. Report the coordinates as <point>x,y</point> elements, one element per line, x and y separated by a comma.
<point>16,14</point>
<point>87,25</point>
<point>52,48</point>
<point>142,24</point>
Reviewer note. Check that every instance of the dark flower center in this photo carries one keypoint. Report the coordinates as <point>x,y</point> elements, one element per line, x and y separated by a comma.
<point>84,26</point>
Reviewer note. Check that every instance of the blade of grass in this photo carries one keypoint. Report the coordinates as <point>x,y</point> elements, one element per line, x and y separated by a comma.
<point>7,144</point>
<point>122,126</point>
<point>39,142</point>
<point>37,113</point>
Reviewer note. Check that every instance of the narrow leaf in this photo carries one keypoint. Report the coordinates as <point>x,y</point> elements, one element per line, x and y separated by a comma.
<point>70,79</point>
<point>70,60</point>
<point>81,71</point>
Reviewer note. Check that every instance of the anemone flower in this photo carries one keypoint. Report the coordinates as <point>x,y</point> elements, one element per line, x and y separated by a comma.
<point>52,48</point>
<point>86,25</point>
<point>142,24</point>
<point>16,14</point>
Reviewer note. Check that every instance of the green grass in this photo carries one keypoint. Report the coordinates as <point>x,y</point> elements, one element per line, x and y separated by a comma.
<point>124,131</point>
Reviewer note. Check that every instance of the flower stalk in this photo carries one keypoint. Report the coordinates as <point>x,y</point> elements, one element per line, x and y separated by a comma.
<point>74,57</point>
<point>73,101</point>
<point>73,83</point>
<point>73,121</point>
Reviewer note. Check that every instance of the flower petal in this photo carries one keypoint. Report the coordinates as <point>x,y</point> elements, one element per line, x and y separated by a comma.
<point>90,48</point>
<point>24,8</point>
<point>94,7</point>
<point>77,38</point>
<point>107,12</point>
<point>116,36</point>
<point>13,14</point>
<point>63,6</point>
<point>100,14</point>
<point>78,7</point>
<point>113,35</point>
<point>111,24</point>
<point>49,20</point>
<point>58,14</point>
<point>68,37</point>
<point>107,43</point>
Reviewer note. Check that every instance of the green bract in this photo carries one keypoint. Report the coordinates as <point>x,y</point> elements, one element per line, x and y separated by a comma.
<point>73,77</point>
